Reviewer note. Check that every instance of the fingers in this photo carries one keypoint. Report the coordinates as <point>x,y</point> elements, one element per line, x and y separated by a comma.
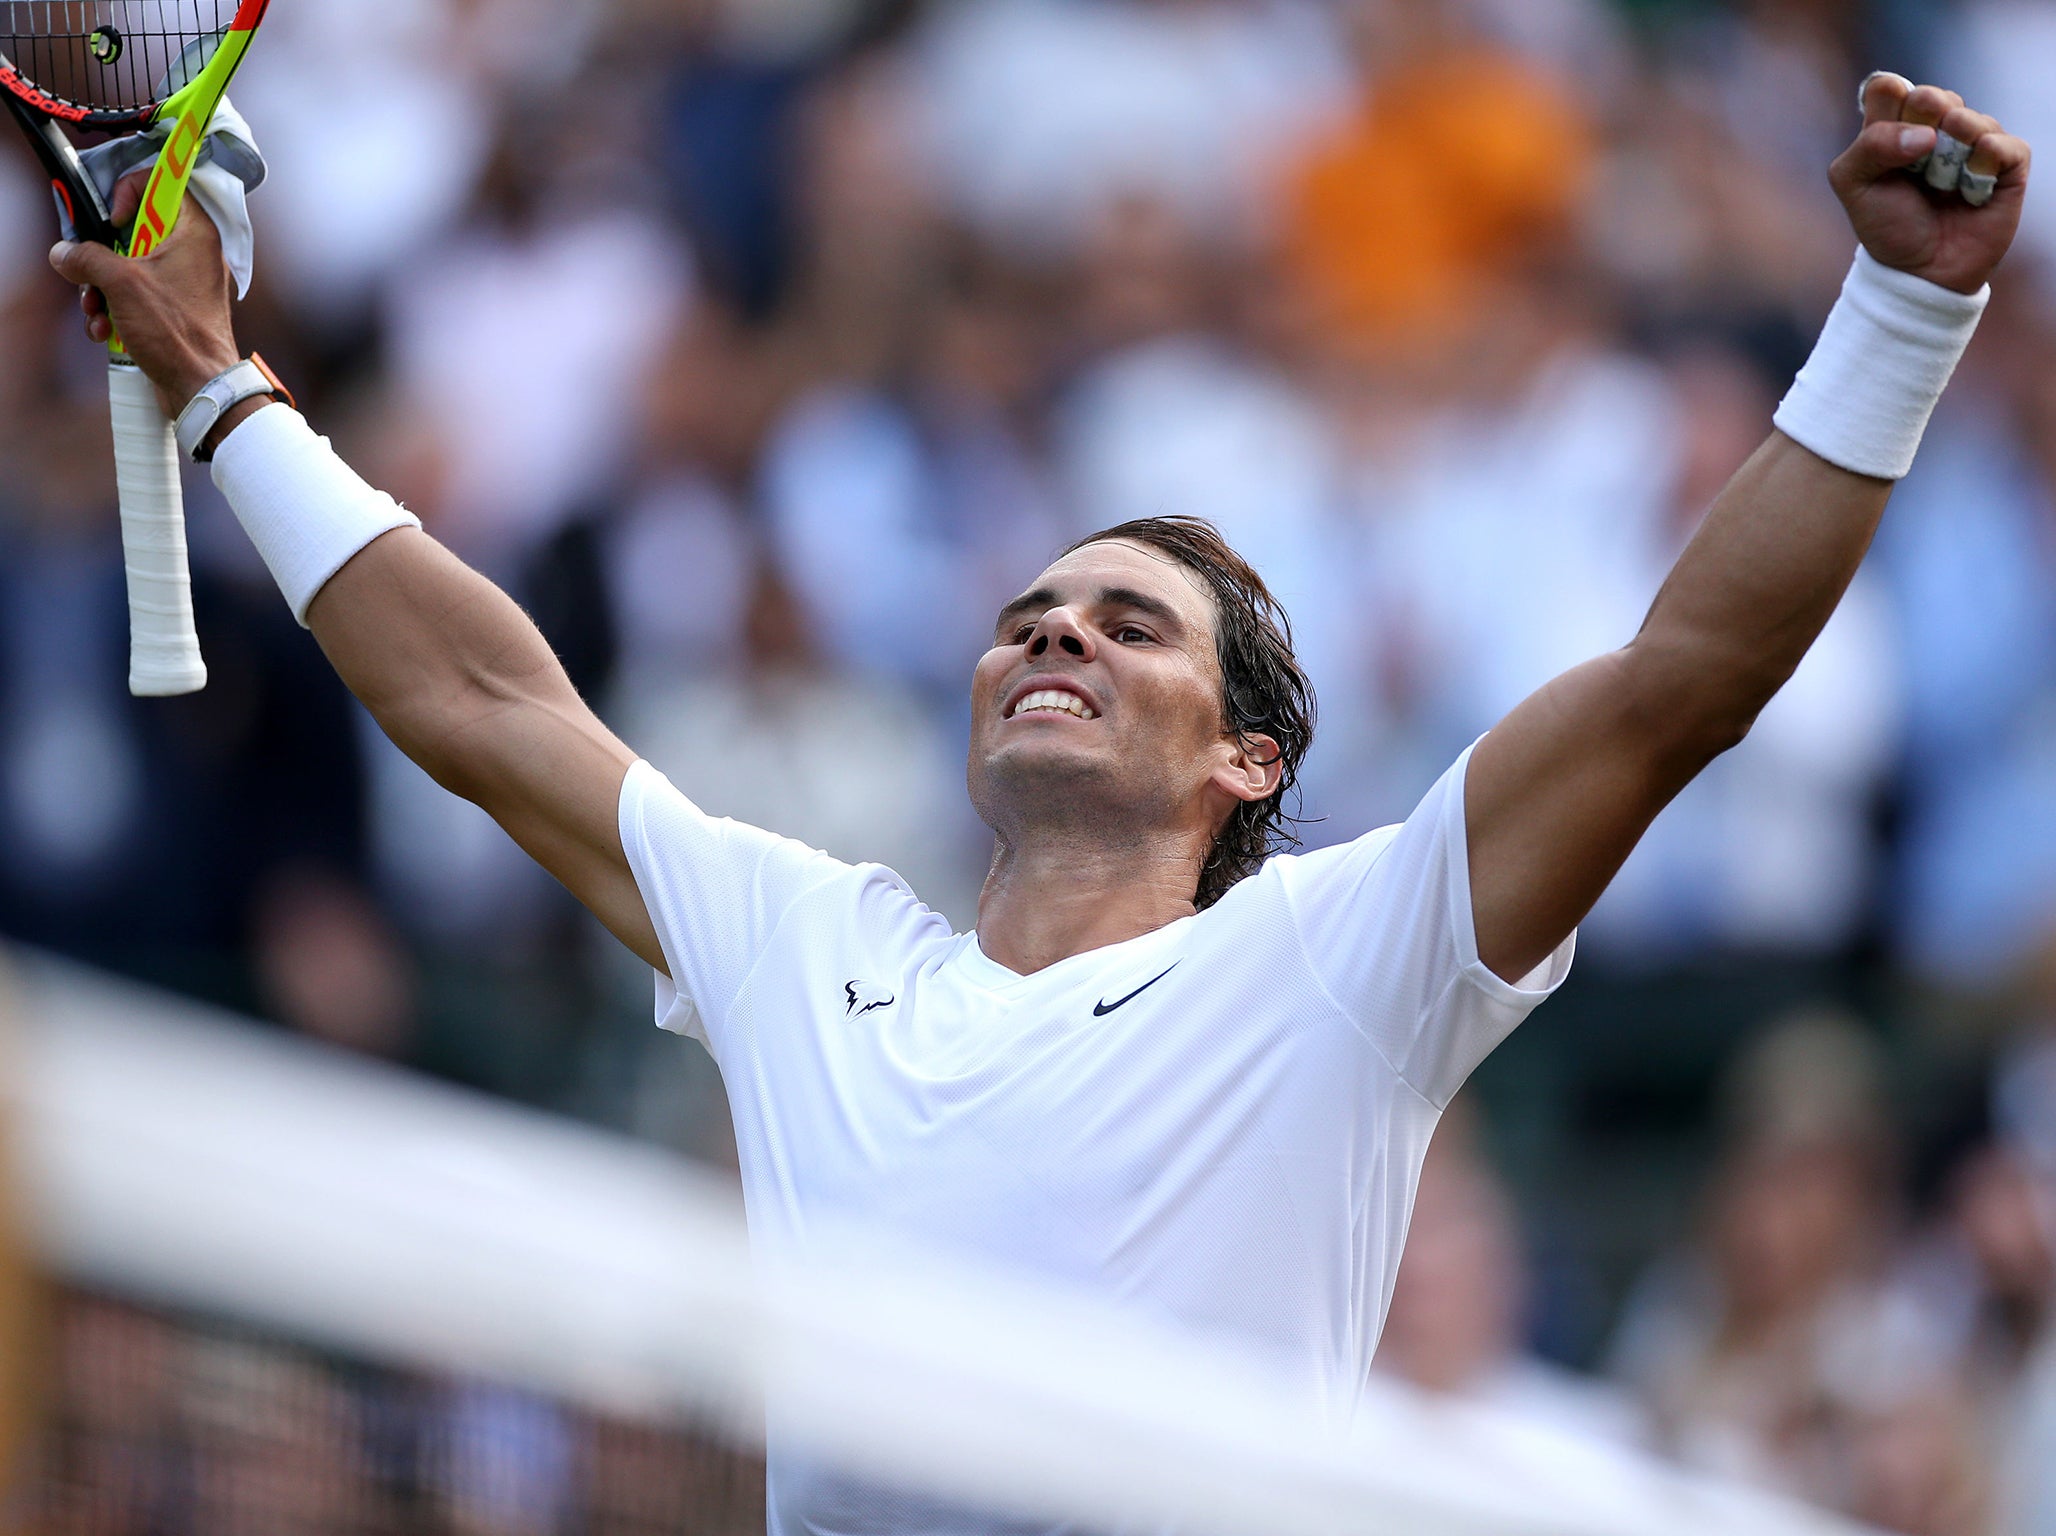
<point>93,305</point>
<point>89,265</point>
<point>2000,156</point>
<point>1882,95</point>
<point>1880,150</point>
<point>86,262</point>
<point>1957,150</point>
<point>128,197</point>
<point>1997,159</point>
<point>1927,105</point>
<point>1966,126</point>
<point>1957,133</point>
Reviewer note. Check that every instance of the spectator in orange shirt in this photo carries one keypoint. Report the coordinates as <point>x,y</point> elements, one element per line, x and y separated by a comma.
<point>1461,162</point>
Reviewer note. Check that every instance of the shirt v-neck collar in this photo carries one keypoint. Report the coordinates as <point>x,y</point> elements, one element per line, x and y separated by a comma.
<point>985,972</point>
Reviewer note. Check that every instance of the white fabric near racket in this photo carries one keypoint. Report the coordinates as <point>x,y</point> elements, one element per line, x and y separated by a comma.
<point>230,167</point>
<point>164,649</point>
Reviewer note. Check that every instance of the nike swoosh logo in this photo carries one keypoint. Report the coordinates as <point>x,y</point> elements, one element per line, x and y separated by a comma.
<point>1102,1008</point>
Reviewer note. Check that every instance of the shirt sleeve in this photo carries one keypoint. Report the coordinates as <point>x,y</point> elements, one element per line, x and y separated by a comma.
<point>1387,927</point>
<point>716,891</point>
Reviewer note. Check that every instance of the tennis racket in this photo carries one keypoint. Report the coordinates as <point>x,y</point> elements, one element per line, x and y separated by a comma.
<point>121,66</point>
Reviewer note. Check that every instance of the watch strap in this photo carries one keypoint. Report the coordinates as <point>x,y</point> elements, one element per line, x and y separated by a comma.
<point>218,396</point>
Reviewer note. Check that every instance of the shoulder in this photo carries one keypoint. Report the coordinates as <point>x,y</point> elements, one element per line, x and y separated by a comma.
<point>1292,878</point>
<point>702,869</point>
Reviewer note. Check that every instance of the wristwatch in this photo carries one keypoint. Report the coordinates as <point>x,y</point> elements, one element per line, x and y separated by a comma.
<point>227,389</point>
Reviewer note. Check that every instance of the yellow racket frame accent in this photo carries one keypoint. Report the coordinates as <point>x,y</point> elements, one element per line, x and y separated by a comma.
<point>191,110</point>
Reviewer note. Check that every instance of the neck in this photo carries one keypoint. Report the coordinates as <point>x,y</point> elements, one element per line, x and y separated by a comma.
<point>1060,893</point>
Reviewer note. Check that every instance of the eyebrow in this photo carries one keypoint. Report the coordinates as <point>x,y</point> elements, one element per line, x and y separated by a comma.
<point>1043,598</point>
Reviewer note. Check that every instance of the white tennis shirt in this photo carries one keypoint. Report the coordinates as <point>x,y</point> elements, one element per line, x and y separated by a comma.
<point>1221,1122</point>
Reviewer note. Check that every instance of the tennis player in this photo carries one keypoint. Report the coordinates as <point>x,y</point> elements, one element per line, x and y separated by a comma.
<point>1170,1064</point>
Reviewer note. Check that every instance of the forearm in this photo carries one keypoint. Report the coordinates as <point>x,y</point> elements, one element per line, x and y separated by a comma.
<point>1779,548</point>
<point>1753,590</point>
<point>453,671</point>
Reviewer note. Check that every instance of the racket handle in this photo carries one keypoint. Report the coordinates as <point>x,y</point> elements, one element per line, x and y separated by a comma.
<point>164,649</point>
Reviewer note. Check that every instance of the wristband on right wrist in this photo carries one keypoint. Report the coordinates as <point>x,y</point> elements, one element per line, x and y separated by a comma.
<point>306,510</point>
<point>1889,346</point>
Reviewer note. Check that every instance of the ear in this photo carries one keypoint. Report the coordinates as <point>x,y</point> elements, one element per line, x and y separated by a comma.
<point>1251,767</point>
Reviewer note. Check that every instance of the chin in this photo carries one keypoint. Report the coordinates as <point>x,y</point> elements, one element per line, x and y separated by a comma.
<point>1042,780</point>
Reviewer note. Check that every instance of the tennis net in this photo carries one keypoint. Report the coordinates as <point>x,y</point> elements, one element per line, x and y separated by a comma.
<point>303,1292</point>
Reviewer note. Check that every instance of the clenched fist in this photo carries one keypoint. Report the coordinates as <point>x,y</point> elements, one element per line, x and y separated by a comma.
<point>172,305</point>
<point>1905,222</point>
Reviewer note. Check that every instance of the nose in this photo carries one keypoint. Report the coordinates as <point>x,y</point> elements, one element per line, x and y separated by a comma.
<point>1061,631</point>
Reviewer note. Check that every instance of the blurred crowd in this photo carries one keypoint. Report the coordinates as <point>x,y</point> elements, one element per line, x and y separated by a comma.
<point>169,1428</point>
<point>762,348</point>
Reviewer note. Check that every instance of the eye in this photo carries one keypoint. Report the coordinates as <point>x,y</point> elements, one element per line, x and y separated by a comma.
<point>1020,634</point>
<point>1132,634</point>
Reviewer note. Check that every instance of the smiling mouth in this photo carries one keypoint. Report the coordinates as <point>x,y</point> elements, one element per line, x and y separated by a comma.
<point>1053,701</point>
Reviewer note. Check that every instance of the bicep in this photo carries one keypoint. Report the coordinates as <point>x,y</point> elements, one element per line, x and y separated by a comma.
<point>1557,797</point>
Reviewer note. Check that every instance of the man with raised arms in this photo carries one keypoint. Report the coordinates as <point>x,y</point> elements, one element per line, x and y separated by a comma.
<point>1168,1065</point>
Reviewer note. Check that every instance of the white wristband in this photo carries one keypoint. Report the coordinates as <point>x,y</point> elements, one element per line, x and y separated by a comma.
<point>306,510</point>
<point>1863,399</point>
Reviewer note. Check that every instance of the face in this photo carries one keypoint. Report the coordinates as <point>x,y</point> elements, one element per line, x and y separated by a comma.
<point>1100,703</point>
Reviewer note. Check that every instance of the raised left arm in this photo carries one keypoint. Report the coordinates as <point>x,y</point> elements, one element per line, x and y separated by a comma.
<point>1562,790</point>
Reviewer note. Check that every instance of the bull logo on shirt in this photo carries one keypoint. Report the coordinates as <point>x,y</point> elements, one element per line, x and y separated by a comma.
<point>864,997</point>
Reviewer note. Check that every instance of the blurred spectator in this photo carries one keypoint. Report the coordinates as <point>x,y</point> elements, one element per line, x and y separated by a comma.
<point>1970,547</point>
<point>2003,53</point>
<point>1456,1319</point>
<point>1777,1352</point>
<point>501,1462</point>
<point>327,963</point>
<point>115,1463</point>
<point>1461,162</point>
<point>1513,536</point>
<point>2015,1232</point>
<point>148,836</point>
<point>1779,70</point>
<point>341,211</point>
<point>277,1441</point>
<point>904,489</point>
<point>1043,114</point>
<point>528,337</point>
<point>841,759</point>
<point>171,1429</point>
<point>1986,1283</point>
<point>1172,415</point>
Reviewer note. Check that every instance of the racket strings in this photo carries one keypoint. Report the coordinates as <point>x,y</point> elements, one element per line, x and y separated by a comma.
<point>111,55</point>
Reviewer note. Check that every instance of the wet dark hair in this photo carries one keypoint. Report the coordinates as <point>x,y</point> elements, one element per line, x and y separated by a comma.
<point>1263,689</point>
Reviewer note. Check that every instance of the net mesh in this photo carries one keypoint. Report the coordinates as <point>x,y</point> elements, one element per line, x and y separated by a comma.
<point>112,55</point>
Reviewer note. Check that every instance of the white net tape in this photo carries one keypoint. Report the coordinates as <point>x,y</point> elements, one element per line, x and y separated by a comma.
<point>185,1159</point>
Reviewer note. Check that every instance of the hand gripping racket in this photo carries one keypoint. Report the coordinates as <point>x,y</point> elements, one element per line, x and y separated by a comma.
<point>122,66</point>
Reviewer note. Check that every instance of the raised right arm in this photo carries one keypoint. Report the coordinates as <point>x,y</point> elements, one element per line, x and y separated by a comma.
<point>450,667</point>
<point>463,682</point>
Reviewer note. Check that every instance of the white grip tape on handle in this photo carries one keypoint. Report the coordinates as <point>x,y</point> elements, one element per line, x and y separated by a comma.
<point>164,650</point>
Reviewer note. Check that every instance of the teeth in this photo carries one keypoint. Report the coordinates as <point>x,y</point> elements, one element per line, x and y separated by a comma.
<point>1056,698</point>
